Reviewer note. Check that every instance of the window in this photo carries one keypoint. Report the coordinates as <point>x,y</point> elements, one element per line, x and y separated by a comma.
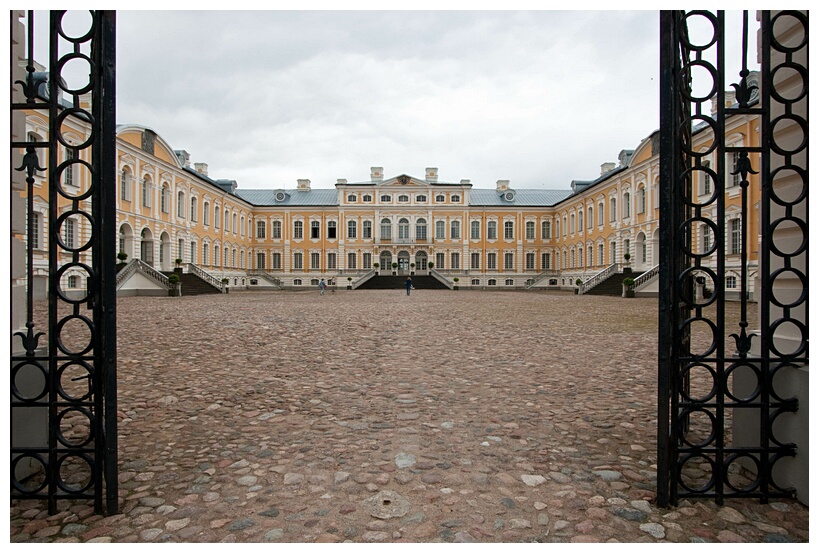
<point>530,230</point>
<point>276,230</point>
<point>216,212</point>
<point>612,210</point>
<point>730,281</point>
<point>557,227</point>
<point>206,213</point>
<point>440,230</point>
<point>331,261</point>
<point>420,198</point>
<point>260,260</point>
<point>476,282</point>
<point>455,199</point>
<point>644,252</point>
<point>508,260</point>
<point>601,254</point>
<point>546,230</point>
<point>164,199</point>
<point>351,198</point>
<point>216,257</point>
<point>261,230</point>
<point>386,198</point>
<point>194,209</point>
<point>735,179</point>
<point>298,261</point>
<point>545,261</point>
<point>509,282</point>
<point>226,257</point>
<point>736,236</point>
<point>296,282</point>
<point>565,226</point>
<point>600,214</point>
<point>276,261</point>
<point>455,260</point>
<point>475,260</point>
<point>455,230</point>
<point>125,185</point>
<point>367,230</point>
<point>227,220</point>
<point>367,261</point>
<point>439,260</point>
<point>367,198</point>
<point>492,230</point>
<point>492,261</point>
<point>205,257</point>
<point>509,230</point>
<point>641,200</point>
<point>352,229</point>
<point>492,282</point>
<point>315,230</point>
<point>351,260</point>
<point>440,198</point>
<point>613,251</point>
<point>421,229</point>
<point>234,224</point>
<point>403,198</point>
<point>34,221</point>
<point>626,247</point>
<point>626,205</point>
<point>403,229</point>
<point>475,230</point>
<point>386,229</point>
<point>146,192</point>
<point>706,238</point>
<point>315,261</point>
<point>194,250</point>
<point>590,218</point>
<point>68,172</point>
<point>69,233</point>
<point>241,224</point>
<point>180,205</point>
<point>298,230</point>
<point>72,281</point>
<point>580,220</point>
<point>530,261</point>
<point>331,230</point>
<point>571,223</point>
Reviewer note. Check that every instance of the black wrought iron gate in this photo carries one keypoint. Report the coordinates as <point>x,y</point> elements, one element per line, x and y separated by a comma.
<point>714,371</point>
<point>63,371</point>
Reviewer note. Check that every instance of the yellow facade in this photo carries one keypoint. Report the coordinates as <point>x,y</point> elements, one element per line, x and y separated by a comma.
<point>487,236</point>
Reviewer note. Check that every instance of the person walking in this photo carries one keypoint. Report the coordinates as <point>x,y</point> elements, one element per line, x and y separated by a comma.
<point>408,285</point>
<point>322,287</point>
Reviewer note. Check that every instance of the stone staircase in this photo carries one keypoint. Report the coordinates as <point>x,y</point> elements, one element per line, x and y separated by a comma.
<point>192,285</point>
<point>612,286</point>
<point>389,282</point>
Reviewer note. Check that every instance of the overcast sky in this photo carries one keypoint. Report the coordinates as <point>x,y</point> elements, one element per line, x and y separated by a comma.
<point>536,97</point>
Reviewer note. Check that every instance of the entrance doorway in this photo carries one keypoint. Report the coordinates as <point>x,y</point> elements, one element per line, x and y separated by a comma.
<point>403,262</point>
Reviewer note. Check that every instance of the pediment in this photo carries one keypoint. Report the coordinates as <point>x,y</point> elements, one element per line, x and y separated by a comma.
<point>404,180</point>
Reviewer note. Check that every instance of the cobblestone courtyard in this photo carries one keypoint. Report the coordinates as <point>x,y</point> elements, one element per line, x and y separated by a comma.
<point>377,417</point>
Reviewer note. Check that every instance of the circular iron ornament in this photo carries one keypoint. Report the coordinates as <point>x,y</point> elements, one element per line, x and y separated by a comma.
<point>685,77</point>
<point>757,390</point>
<point>687,371</point>
<point>682,237</point>
<point>59,236</point>
<point>67,442</point>
<point>89,291</point>
<point>59,330</point>
<point>689,123</point>
<point>712,326</point>
<point>80,39</point>
<point>803,75</point>
<point>65,164</point>
<point>771,480</point>
<point>737,457</point>
<point>803,226</point>
<point>683,36</point>
<point>683,289</point>
<point>803,20</point>
<point>15,391</point>
<point>803,297</point>
<point>803,174</point>
<point>684,415</point>
<point>688,174</point>
<point>61,483</point>
<point>803,330</point>
<point>681,466</point>
<point>81,114</point>
<point>803,125</point>
<point>71,57</point>
<point>772,372</point>
<point>61,389</point>
<point>774,415</point>
<point>18,485</point>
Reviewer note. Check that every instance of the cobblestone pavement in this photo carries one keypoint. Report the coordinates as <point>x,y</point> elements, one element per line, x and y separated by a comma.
<point>377,417</point>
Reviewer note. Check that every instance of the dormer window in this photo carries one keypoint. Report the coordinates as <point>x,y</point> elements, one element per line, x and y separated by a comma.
<point>420,198</point>
<point>440,198</point>
<point>403,198</point>
<point>455,199</point>
<point>386,198</point>
<point>367,198</point>
<point>351,198</point>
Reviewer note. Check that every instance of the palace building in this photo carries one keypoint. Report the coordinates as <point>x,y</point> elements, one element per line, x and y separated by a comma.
<point>489,236</point>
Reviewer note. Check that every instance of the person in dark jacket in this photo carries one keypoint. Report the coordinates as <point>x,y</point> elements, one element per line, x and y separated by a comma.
<point>408,285</point>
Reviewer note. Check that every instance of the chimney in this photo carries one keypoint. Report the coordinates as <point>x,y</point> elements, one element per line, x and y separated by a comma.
<point>503,185</point>
<point>466,181</point>
<point>341,181</point>
<point>432,174</point>
<point>607,168</point>
<point>303,184</point>
<point>201,168</point>
<point>376,174</point>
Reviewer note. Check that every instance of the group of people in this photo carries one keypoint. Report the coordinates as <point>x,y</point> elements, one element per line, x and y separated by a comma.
<point>408,285</point>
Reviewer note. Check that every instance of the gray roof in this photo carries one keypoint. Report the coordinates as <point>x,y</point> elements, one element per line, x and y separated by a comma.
<point>523,198</point>
<point>319,196</point>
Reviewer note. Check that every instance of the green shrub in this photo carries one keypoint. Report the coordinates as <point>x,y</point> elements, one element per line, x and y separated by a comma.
<point>173,279</point>
<point>628,281</point>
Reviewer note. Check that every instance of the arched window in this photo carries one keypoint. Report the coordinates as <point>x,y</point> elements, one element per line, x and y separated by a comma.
<point>600,214</point>
<point>241,224</point>
<point>455,231</point>
<point>612,210</point>
<point>530,230</point>
<point>421,229</point>
<point>590,218</point>
<point>261,230</point>
<point>403,198</point>
<point>367,230</point>
<point>440,198</point>
<point>420,198</point>
<point>298,230</point>
<point>440,230</point>
<point>641,200</point>
<point>234,223</point>
<point>386,229</point>
<point>626,205</point>
<point>475,230</point>
<point>509,230</point>
<point>276,230</point>
<point>571,223</point>
<point>164,199</point>
<point>331,230</point>
<point>546,230</point>
<point>351,198</point>
<point>125,185</point>
<point>194,208</point>
<point>315,230</point>
<point>386,198</point>
<point>403,228</point>
<point>580,220</point>
<point>455,199</point>
<point>352,229</point>
<point>206,213</point>
<point>216,212</point>
<point>180,205</point>
<point>146,191</point>
<point>367,198</point>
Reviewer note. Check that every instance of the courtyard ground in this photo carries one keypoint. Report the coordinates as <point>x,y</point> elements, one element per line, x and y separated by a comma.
<point>370,416</point>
